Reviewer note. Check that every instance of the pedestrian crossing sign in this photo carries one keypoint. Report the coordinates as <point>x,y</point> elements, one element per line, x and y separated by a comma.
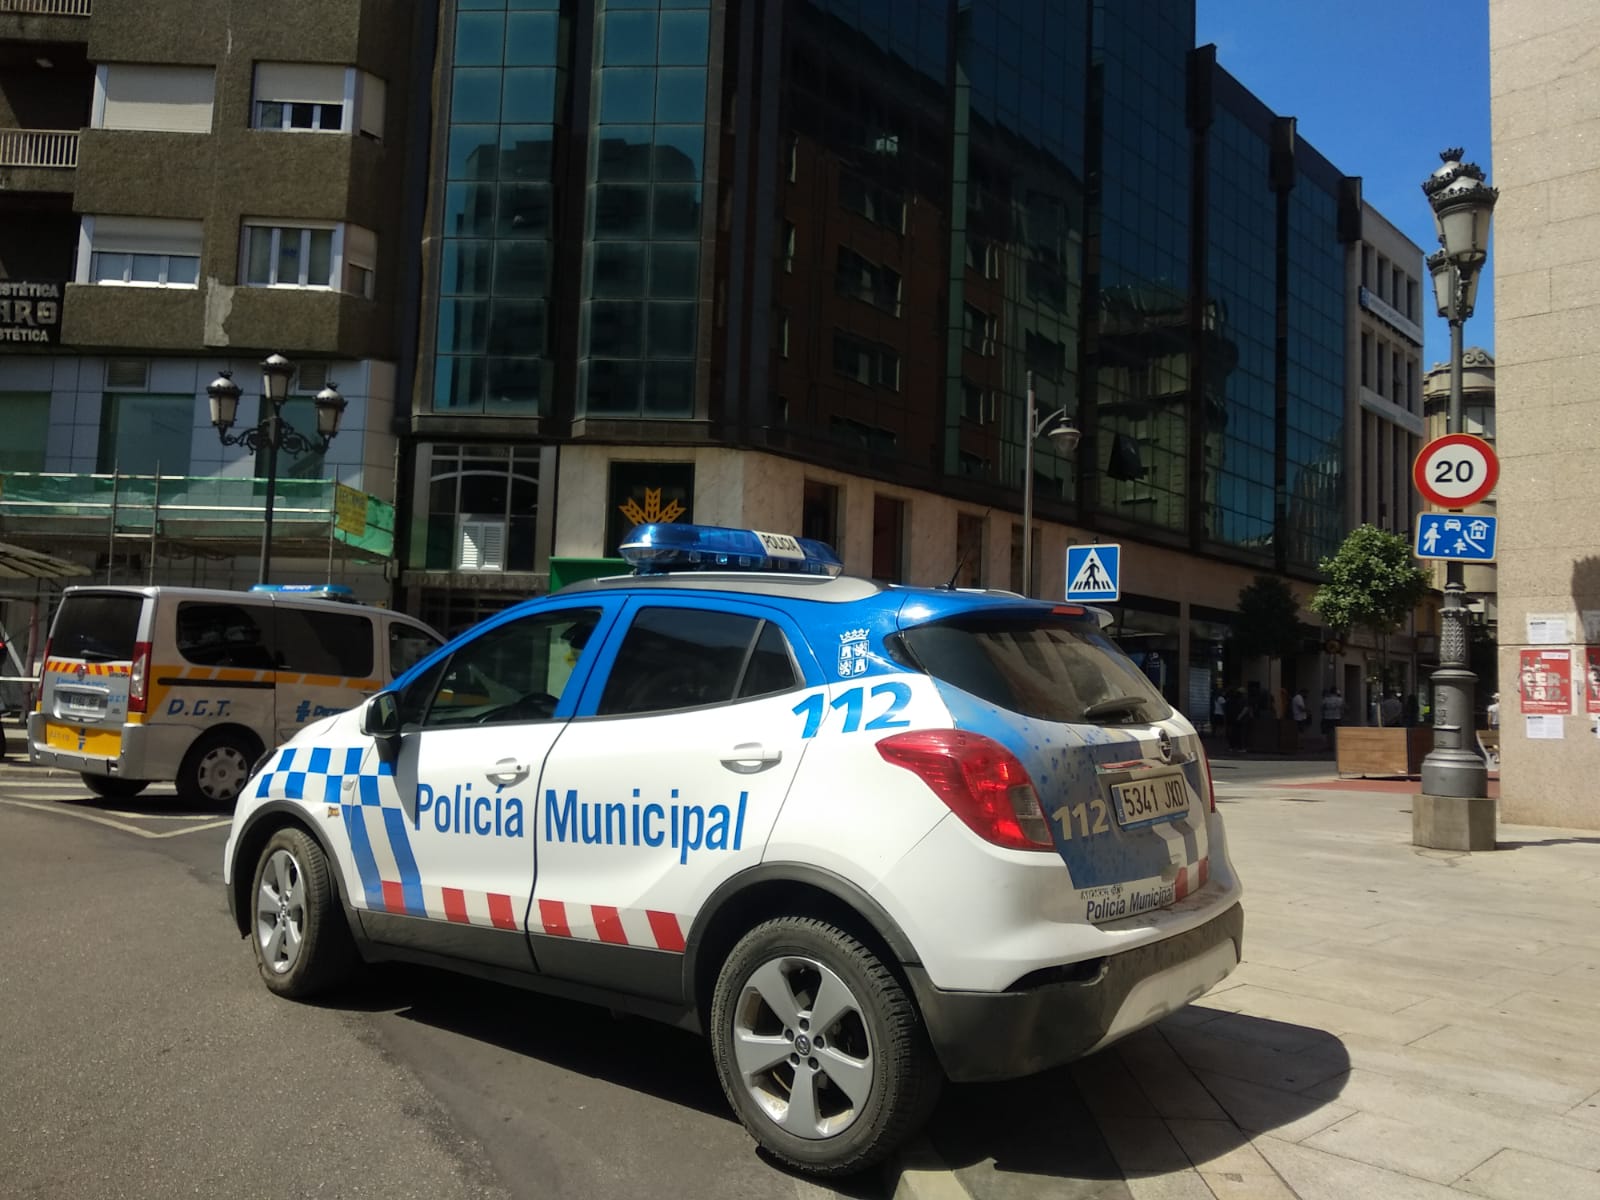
<point>1094,572</point>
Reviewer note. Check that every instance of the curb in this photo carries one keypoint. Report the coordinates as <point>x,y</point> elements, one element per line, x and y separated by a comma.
<point>918,1173</point>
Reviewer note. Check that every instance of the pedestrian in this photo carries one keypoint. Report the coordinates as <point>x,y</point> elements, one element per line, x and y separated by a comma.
<point>1219,711</point>
<point>1332,709</point>
<point>1389,710</point>
<point>1297,709</point>
<point>1493,711</point>
<point>1238,715</point>
<point>1411,708</point>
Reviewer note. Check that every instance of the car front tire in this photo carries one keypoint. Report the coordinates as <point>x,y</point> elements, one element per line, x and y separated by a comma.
<point>302,943</point>
<point>819,1048</point>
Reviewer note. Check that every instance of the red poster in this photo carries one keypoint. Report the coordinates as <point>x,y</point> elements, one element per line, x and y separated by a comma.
<point>1544,684</point>
<point>1592,675</point>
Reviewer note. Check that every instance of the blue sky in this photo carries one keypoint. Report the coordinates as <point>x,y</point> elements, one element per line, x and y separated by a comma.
<point>1361,76</point>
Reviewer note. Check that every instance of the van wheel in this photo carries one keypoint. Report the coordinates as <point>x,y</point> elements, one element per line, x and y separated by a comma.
<point>215,769</point>
<point>819,1048</point>
<point>302,943</point>
<point>111,787</point>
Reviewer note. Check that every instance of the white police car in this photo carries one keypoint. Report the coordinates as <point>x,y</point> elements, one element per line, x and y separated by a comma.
<point>863,837</point>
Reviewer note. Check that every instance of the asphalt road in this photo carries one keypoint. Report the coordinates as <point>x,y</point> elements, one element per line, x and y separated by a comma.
<point>143,1058</point>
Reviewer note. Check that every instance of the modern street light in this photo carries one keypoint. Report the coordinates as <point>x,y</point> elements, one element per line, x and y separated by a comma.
<point>1064,435</point>
<point>272,433</point>
<point>1462,207</point>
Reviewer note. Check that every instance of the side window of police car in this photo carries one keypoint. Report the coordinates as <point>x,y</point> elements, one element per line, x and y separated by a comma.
<point>513,672</point>
<point>673,658</point>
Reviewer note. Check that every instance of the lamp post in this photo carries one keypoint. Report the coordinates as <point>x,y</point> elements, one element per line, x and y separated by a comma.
<point>272,433</point>
<point>1462,207</point>
<point>1065,436</point>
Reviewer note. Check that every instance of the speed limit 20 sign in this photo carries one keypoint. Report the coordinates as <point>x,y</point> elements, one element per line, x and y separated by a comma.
<point>1456,470</point>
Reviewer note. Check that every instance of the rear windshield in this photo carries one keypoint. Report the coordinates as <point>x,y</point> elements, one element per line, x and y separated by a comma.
<point>1050,670</point>
<point>97,628</point>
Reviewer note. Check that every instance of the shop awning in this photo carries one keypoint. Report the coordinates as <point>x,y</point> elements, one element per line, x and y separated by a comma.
<point>18,562</point>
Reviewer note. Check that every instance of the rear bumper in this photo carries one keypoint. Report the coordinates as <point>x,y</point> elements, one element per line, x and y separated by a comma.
<point>132,762</point>
<point>983,1036</point>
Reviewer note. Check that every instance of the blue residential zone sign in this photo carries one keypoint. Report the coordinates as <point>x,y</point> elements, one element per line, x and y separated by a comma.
<point>1094,573</point>
<point>1462,537</point>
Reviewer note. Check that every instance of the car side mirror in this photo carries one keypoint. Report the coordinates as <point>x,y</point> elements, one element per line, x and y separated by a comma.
<point>381,717</point>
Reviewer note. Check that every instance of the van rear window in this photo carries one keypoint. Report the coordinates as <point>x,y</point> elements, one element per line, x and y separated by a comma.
<point>1052,670</point>
<point>97,628</point>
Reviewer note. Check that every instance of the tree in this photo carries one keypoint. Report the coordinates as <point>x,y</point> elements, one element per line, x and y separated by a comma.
<point>1372,583</point>
<point>1269,619</point>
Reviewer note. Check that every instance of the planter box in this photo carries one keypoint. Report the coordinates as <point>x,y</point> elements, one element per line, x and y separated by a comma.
<point>1376,750</point>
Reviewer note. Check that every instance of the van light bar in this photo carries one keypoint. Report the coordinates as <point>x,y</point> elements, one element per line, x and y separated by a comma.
<point>316,591</point>
<point>660,548</point>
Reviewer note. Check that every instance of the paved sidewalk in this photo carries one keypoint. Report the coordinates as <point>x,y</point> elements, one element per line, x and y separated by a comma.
<point>1406,1023</point>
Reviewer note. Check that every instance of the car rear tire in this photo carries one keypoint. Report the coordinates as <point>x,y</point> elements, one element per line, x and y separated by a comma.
<point>215,770</point>
<point>819,1048</point>
<point>301,939</point>
<point>112,787</point>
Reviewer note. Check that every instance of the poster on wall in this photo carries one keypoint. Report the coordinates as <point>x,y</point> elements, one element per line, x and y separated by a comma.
<point>1544,683</point>
<point>644,492</point>
<point>1591,679</point>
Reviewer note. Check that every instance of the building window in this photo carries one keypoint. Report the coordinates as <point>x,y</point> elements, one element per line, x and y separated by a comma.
<point>297,114</point>
<point>167,99</point>
<point>878,204</point>
<point>145,434</point>
<point>1046,357</point>
<point>1366,360</point>
<point>983,257</point>
<point>866,362</point>
<point>982,331</point>
<point>318,98</point>
<point>977,404</point>
<point>788,247</point>
<point>819,512</point>
<point>483,504</point>
<point>335,257</point>
<point>877,285</point>
<point>27,417</point>
<point>888,539</point>
<point>139,251</point>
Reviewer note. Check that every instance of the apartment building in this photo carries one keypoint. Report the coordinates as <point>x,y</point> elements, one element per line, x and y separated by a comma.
<point>185,188</point>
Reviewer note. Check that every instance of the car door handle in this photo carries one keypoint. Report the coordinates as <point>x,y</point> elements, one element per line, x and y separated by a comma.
<point>506,772</point>
<point>749,757</point>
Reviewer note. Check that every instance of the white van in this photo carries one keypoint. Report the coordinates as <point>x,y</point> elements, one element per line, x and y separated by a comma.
<point>193,685</point>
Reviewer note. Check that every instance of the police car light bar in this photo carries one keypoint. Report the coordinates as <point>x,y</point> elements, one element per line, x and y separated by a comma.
<point>316,591</point>
<point>658,548</point>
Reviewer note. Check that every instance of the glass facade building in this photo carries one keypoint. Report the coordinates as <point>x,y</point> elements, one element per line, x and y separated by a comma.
<point>851,232</point>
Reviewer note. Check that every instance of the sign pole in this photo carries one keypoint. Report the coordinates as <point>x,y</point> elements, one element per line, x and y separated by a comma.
<point>1453,770</point>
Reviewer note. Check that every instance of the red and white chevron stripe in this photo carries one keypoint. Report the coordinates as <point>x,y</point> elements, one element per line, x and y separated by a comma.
<point>1191,878</point>
<point>646,927</point>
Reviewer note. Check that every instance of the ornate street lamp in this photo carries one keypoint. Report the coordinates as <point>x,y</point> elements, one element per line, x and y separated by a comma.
<point>1064,436</point>
<point>272,433</point>
<point>1463,205</point>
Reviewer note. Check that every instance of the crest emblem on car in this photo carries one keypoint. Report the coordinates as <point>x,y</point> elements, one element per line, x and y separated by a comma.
<point>1164,745</point>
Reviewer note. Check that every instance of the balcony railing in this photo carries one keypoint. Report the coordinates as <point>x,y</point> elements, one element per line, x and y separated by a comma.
<point>48,8</point>
<point>38,147</point>
<point>219,512</point>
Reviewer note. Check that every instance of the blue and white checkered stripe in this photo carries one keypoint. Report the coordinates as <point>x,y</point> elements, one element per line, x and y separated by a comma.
<point>379,842</point>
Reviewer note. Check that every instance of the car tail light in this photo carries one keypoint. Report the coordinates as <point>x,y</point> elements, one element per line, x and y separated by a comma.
<point>139,677</point>
<point>979,780</point>
<point>44,667</point>
<point>1211,784</point>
